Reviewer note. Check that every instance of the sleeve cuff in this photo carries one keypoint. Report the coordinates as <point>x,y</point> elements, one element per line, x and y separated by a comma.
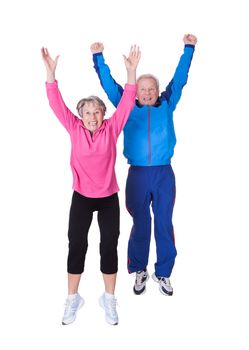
<point>97,54</point>
<point>130,87</point>
<point>189,45</point>
<point>51,85</point>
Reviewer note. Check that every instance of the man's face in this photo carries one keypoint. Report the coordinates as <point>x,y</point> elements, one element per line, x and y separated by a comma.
<point>147,91</point>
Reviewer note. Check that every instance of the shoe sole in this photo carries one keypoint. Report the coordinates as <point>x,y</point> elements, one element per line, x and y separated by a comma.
<point>142,291</point>
<point>168,294</point>
<point>82,302</point>
<point>106,318</point>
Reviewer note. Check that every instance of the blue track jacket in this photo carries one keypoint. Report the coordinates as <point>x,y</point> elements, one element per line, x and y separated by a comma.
<point>149,135</point>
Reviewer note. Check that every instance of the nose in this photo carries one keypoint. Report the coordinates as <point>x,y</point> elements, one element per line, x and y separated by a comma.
<point>93,117</point>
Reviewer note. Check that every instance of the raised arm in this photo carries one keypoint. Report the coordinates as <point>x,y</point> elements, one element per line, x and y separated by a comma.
<point>56,102</point>
<point>131,63</point>
<point>50,64</point>
<point>113,90</point>
<point>173,91</point>
<point>127,101</point>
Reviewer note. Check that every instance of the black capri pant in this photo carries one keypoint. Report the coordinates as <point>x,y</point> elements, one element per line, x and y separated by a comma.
<point>80,218</point>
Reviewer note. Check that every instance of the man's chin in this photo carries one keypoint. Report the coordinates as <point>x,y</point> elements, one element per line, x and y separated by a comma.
<point>147,103</point>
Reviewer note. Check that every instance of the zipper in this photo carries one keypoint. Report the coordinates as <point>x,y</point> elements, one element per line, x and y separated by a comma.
<point>149,141</point>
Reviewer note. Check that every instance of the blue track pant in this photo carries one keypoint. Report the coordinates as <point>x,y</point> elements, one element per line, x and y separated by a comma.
<point>155,186</point>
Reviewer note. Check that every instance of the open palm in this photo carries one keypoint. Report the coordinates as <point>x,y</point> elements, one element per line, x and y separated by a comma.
<point>132,60</point>
<point>50,64</point>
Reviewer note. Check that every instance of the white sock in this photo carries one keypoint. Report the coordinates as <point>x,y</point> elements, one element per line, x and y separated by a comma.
<point>109,296</point>
<point>72,296</point>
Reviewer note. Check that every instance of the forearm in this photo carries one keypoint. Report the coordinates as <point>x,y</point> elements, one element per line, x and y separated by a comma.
<point>58,105</point>
<point>181,73</point>
<point>50,77</point>
<point>173,91</point>
<point>113,90</point>
<point>131,76</point>
<point>124,108</point>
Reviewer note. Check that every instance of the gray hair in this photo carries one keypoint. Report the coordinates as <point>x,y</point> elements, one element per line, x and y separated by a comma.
<point>91,99</point>
<point>149,76</point>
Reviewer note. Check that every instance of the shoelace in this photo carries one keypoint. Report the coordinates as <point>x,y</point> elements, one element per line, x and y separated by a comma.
<point>166,281</point>
<point>140,276</point>
<point>111,306</point>
<point>70,305</point>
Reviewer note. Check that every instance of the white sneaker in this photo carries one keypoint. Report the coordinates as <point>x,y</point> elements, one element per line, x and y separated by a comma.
<point>164,284</point>
<point>109,305</point>
<point>72,305</point>
<point>140,282</point>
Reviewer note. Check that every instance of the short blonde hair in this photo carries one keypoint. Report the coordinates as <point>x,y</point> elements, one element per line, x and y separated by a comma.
<point>91,99</point>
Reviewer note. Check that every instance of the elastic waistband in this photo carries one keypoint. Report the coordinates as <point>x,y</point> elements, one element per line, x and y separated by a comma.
<point>143,167</point>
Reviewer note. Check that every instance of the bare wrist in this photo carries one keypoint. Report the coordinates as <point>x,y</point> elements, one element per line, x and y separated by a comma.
<point>50,78</point>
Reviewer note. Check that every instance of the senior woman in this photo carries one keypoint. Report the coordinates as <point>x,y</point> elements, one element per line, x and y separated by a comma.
<point>93,156</point>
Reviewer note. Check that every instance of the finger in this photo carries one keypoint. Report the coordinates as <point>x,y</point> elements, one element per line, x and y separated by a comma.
<point>131,51</point>
<point>98,45</point>
<point>46,52</point>
<point>138,53</point>
<point>56,59</point>
<point>134,50</point>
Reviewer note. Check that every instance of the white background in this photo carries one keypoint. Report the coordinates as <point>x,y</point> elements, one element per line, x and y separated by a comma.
<point>209,309</point>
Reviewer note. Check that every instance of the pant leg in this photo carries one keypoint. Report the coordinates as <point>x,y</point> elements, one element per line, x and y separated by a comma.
<point>108,220</point>
<point>138,204</point>
<point>162,205</point>
<point>80,219</point>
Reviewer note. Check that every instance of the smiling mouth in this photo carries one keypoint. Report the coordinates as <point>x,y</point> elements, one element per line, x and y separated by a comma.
<point>93,123</point>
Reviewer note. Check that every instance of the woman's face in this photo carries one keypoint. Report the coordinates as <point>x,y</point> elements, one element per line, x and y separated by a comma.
<point>92,116</point>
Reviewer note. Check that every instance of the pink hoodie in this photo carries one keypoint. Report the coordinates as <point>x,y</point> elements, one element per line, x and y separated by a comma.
<point>93,157</point>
